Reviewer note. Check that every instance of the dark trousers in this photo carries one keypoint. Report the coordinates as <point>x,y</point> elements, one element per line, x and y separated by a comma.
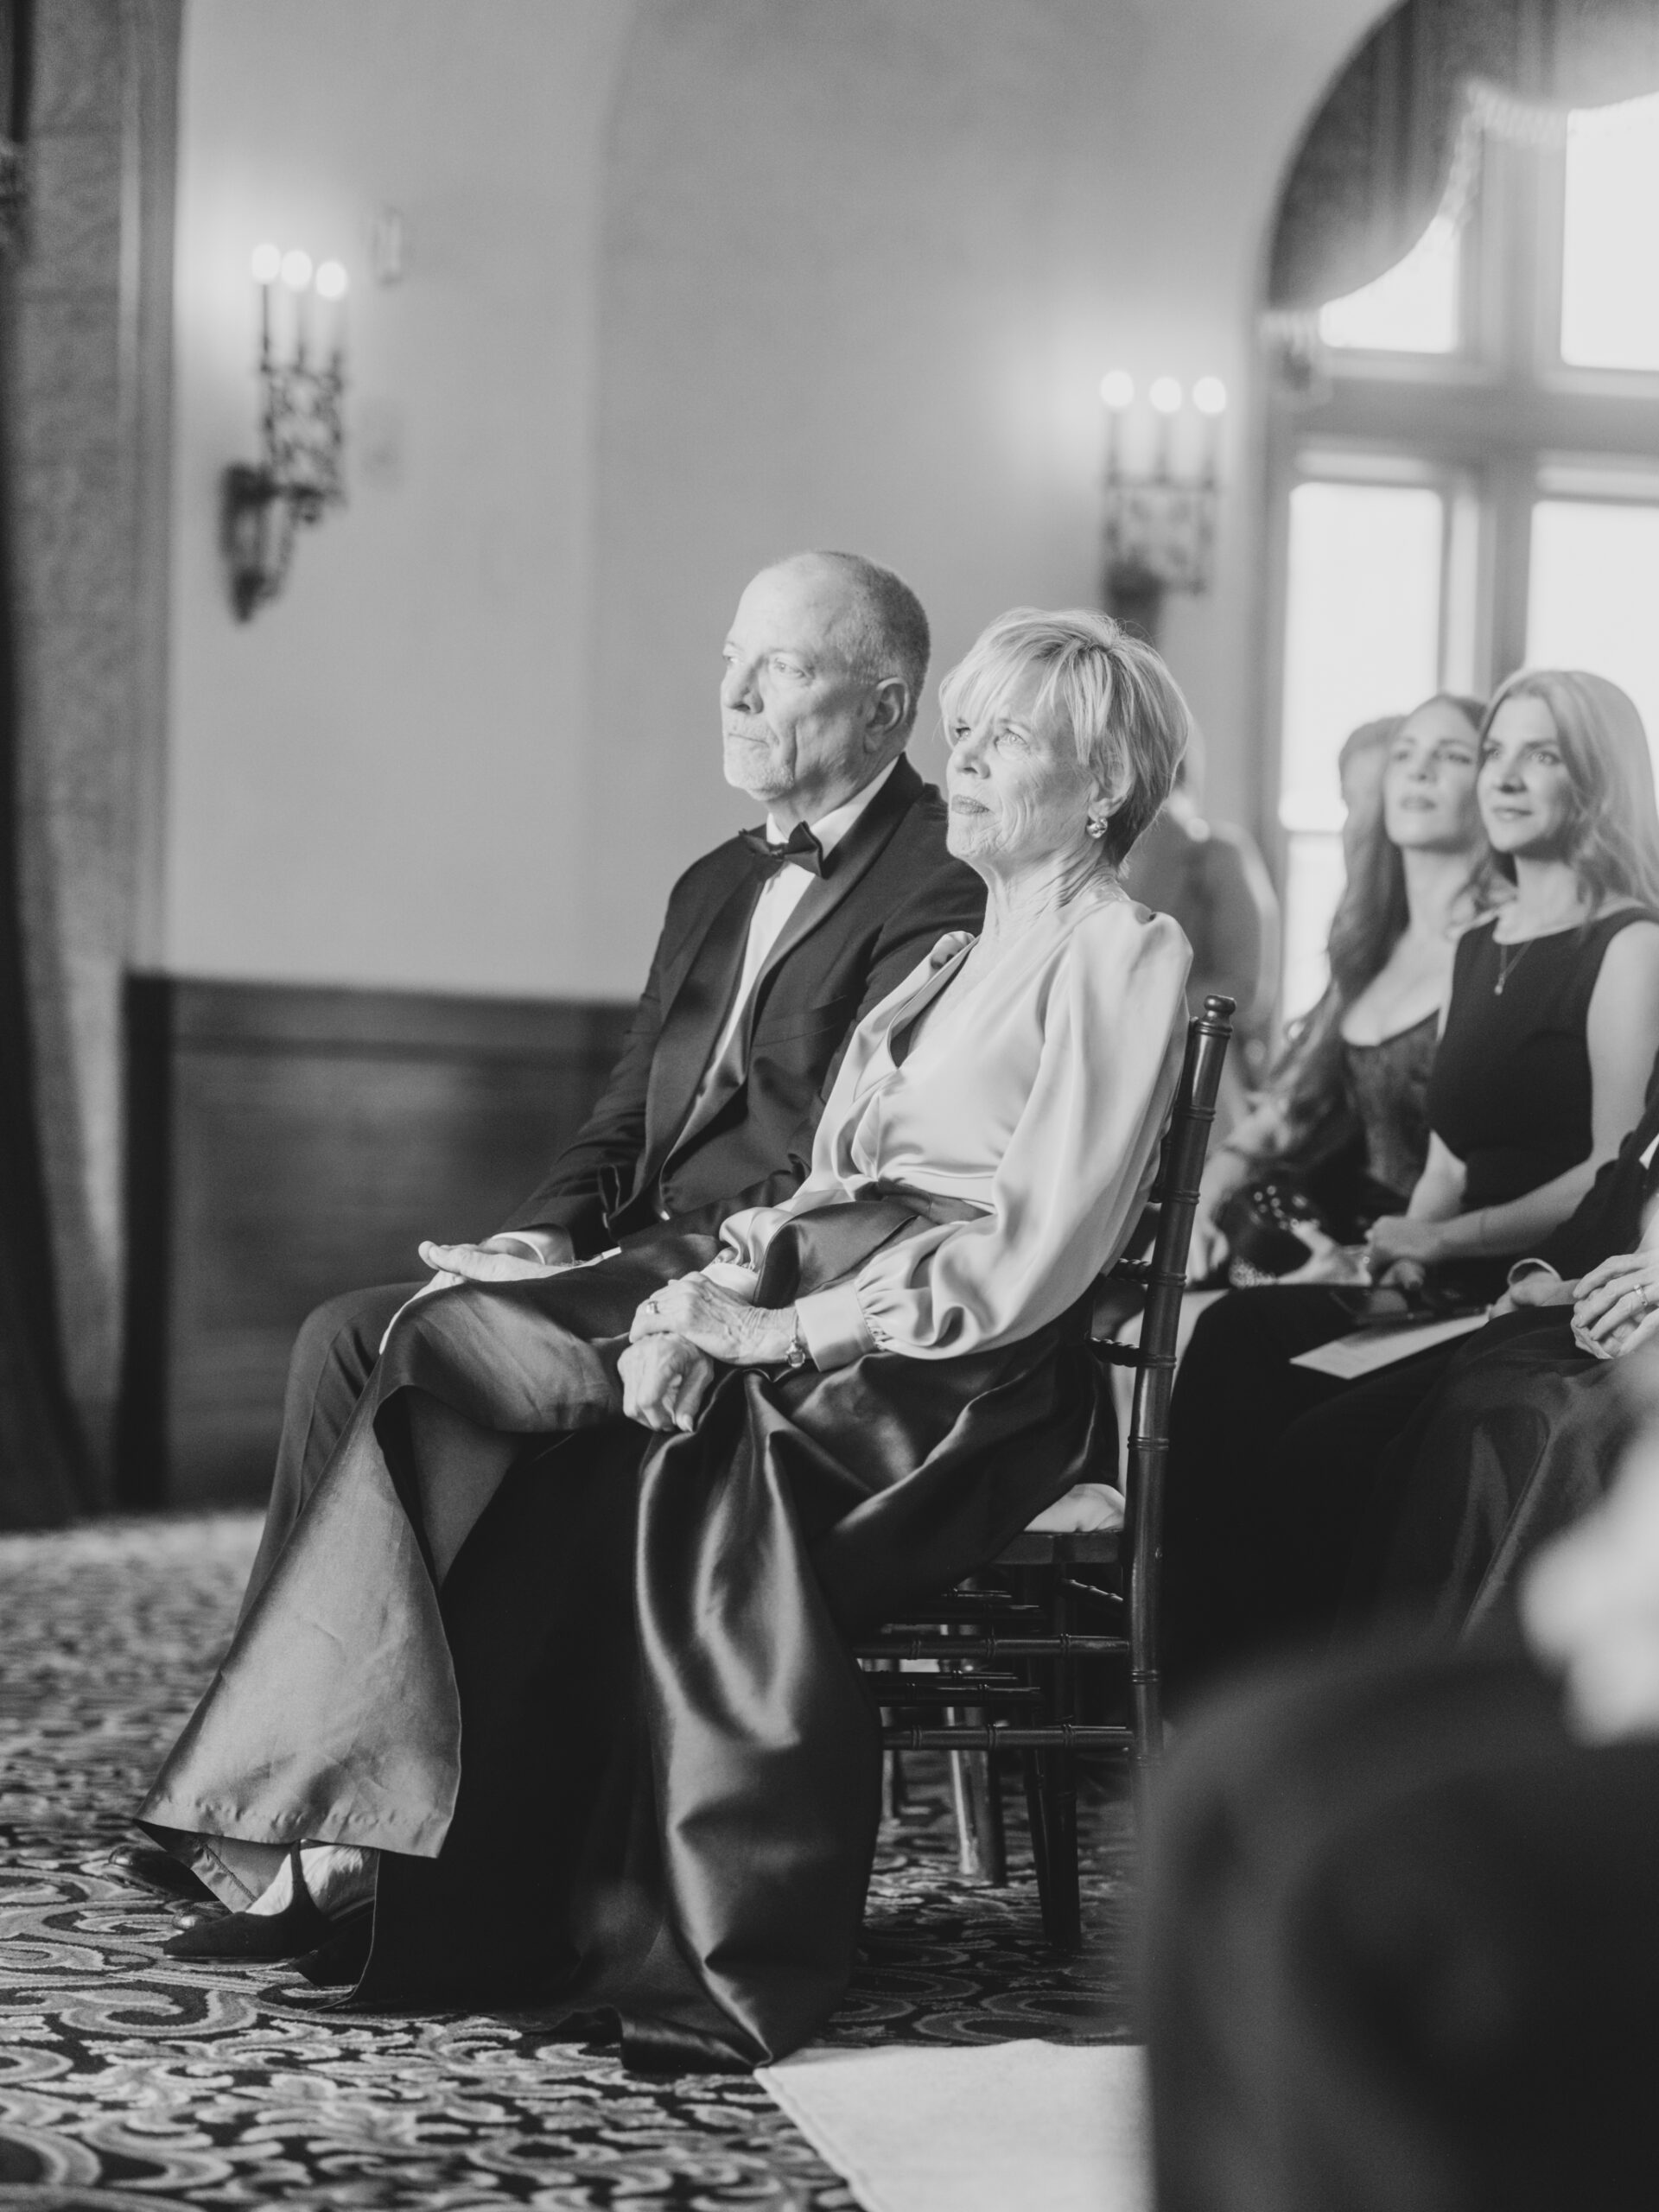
<point>1402,1948</point>
<point>1272,1472</point>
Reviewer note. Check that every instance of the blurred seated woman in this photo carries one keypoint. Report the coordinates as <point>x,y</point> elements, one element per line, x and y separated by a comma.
<point>1519,1439</point>
<point>1549,1036</point>
<point>1340,1135</point>
<point>1209,877</point>
<point>547,1700</point>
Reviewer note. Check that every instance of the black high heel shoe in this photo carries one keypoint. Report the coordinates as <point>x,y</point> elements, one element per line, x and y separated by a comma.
<point>300,1927</point>
<point>154,1869</point>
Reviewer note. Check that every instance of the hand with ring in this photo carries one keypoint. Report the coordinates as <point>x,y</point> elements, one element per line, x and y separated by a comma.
<point>1615,1309</point>
<point>666,1382</point>
<point>727,1328</point>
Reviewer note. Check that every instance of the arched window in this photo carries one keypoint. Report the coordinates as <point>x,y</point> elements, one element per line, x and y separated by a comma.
<point>1464,436</point>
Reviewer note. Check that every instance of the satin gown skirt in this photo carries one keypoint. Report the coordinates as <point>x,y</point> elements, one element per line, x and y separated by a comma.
<point>625,1760</point>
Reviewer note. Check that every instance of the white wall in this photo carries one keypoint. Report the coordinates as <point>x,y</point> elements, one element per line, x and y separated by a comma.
<point>381,778</point>
<point>691,283</point>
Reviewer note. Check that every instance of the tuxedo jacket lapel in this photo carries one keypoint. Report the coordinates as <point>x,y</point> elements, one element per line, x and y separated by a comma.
<point>698,997</point>
<point>853,859</point>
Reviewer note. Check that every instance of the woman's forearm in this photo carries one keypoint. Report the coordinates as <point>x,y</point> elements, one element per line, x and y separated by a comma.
<point>1260,1135</point>
<point>1519,1224</point>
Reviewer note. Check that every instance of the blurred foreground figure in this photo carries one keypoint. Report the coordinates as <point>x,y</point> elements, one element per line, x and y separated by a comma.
<point>1403,1920</point>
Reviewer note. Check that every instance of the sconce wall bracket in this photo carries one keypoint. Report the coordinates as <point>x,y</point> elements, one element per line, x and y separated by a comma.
<point>298,478</point>
<point>1161,537</point>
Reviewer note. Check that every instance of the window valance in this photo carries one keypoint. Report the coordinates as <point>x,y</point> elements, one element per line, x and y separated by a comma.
<point>1396,144</point>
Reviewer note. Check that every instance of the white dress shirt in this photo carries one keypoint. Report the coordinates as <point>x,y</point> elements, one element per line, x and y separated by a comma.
<point>777,902</point>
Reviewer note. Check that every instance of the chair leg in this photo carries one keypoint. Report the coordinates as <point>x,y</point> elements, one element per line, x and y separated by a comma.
<point>981,1851</point>
<point>897,1788</point>
<point>962,1804</point>
<point>1037,1815</point>
<point>1065,1916</point>
<point>1062,1922</point>
<point>992,1842</point>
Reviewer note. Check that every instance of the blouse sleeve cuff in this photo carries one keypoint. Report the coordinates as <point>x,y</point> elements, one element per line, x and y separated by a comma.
<point>833,1327</point>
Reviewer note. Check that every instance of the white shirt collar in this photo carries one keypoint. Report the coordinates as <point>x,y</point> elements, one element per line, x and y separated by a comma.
<point>831,828</point>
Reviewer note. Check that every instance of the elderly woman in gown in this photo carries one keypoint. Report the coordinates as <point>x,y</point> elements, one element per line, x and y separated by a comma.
<point>547,1698</point>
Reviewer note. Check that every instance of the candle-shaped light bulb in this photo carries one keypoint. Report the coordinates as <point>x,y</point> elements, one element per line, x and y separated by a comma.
<point>296,278</point>
<point>267,266</point>
<point>1165,393</point>
<point>333,284</point>
<point>1116,396</point>
<point>1209,397</point>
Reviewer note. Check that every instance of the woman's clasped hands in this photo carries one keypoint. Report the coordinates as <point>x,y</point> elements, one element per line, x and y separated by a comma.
<point>1617,1307</point>
<point>682,1335</point>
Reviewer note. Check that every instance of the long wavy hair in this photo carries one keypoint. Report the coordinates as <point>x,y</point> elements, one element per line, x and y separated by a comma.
<point>1612,840</point>
<point>1372,916</point>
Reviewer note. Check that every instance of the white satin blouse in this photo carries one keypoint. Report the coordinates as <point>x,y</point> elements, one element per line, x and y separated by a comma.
<point>1036,1092</point>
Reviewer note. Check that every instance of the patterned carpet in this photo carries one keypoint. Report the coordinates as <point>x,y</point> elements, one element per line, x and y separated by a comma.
<point>129,2079</point>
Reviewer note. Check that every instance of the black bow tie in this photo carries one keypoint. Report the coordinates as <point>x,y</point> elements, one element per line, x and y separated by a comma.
<point>801,849</point>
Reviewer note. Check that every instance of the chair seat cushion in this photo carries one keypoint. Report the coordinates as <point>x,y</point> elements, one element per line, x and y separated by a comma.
<point>1085,1506</point>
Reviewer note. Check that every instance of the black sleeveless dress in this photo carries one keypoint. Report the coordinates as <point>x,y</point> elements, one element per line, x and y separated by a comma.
<point>1509,1094</point>
<point>1272,1469</point>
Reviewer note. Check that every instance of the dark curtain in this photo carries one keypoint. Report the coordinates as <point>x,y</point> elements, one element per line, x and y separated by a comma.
<point>1378,158</point>
<point>41,1466</point>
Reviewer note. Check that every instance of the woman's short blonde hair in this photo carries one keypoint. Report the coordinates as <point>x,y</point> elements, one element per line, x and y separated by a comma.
<point>1110,691</point>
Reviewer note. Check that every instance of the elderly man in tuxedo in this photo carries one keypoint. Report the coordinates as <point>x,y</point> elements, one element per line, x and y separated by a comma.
<point>774,945</point>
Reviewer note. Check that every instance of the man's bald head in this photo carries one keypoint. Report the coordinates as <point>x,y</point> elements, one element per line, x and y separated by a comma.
<point>825,661</point>
<point>884,632</point>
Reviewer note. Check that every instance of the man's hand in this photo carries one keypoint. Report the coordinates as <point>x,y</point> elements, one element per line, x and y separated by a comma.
<point>499,1259</point>
<point>717,1323</point>
<point>664,1381</point>
<point>1543,1287</point>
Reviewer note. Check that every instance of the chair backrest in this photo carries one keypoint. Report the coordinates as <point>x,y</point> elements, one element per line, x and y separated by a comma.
<point>1165,1276</point>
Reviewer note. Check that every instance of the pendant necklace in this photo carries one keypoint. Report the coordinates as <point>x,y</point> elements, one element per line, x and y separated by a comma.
<point>1506,967</point>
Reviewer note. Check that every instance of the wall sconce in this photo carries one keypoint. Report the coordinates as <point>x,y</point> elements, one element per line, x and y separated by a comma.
<point>1160,526</point>
<point>298,476</point>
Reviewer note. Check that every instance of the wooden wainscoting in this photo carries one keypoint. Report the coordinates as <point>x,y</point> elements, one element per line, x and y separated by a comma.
<point>289,1142</point>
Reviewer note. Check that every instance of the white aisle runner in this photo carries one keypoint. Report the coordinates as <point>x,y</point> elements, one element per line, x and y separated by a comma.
<point>992,2128</point>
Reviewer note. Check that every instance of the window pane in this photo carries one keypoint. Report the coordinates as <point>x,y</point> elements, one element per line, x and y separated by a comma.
<point>1610,256</point>
<point>1362,639</point>
<point>1412,308</point>
<point>1594,593</point>
<point>1313,882</point>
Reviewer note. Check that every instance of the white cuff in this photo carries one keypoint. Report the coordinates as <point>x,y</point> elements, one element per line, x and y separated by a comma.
<point>833,1327</point>
<point>541,1245</point>
<point>1522,1269</point>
